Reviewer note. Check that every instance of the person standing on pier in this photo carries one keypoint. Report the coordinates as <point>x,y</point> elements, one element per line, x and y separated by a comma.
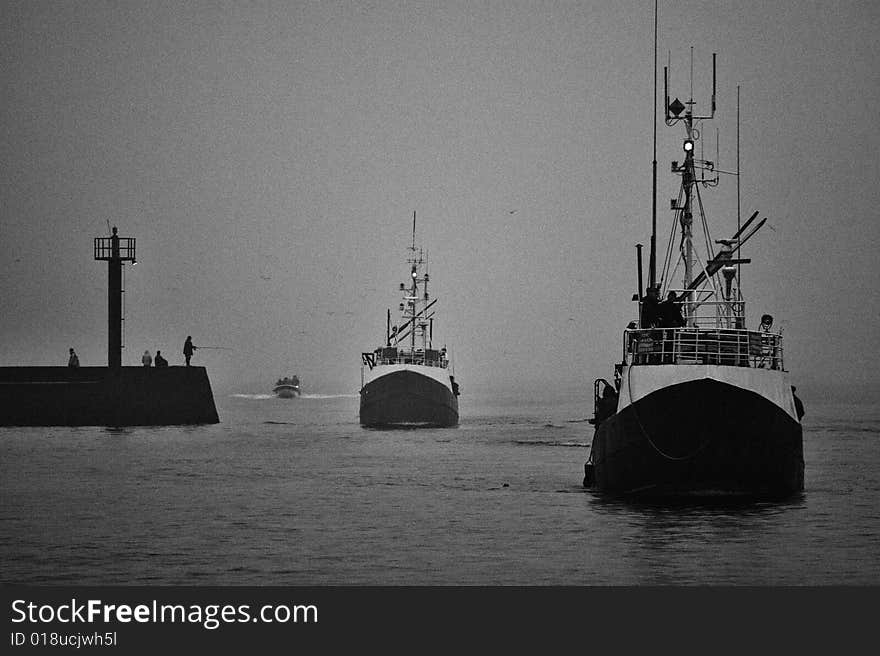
<point>188,349</point>
<point>74,359</point>
<point>147,359</point>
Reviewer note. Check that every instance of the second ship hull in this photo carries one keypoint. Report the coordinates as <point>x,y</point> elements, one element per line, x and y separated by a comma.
<point>699,437</point>
<point>404,397</point>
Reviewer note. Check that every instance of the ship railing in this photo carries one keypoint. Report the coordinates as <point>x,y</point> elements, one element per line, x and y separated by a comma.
<point>705,313</point>
<point>694,345</point>
<point>406,357</point>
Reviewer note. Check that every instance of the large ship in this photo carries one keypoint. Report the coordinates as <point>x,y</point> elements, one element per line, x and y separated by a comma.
<point>406,381</point>
<point>700,403</point>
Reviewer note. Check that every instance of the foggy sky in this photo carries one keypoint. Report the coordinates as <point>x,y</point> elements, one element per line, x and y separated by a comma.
<point>268,158</point>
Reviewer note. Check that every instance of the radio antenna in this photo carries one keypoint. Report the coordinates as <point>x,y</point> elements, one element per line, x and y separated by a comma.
<point>738,227</point>
<point>653,255</point>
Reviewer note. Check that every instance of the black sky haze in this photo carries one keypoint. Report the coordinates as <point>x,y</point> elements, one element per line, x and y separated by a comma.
<point>268,157</point>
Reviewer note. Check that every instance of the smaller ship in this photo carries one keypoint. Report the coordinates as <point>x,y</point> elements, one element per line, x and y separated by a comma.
<point>287,387</point>
<point>407,382</point>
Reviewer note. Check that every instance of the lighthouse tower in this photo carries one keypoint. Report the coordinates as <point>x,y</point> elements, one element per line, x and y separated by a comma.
<point>116,251</point>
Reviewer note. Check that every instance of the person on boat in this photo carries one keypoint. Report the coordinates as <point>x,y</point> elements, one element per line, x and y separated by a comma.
<point>768,346</point>
<point>147,359</point>
<point>606,405</point>
<point>670,312</point>
<point>160,361</point>
<point>798,404</point>
<point>73,362</point>
<point>650,318</point>
<point>650,309</point>
<point>188,349</point>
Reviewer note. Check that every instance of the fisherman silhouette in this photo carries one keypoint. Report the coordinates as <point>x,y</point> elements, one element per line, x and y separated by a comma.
<point>73,362</point>
<point>147,359</point>
<point>188,349</point>
<point>160,361</point>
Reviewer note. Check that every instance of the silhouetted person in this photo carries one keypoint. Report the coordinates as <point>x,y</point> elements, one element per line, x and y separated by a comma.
<point>188,349</point>
<point>650,309</point>
<point>670,312</point>
<point>74,359</point>
<point>768,345</point>
<point>651,319</point>
<point>798,405</point>
<point>160,361</point>
<point>147,359</point>
<point>607,404</point>
<point>670,317</point>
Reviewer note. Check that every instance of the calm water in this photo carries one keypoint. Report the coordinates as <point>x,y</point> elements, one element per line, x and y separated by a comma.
<point>294,492</point>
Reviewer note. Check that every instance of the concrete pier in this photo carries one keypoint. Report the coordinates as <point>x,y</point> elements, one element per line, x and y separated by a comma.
<point>105,396</point>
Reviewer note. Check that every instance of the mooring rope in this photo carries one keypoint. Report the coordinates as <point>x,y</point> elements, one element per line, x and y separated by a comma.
<point>645,433</point>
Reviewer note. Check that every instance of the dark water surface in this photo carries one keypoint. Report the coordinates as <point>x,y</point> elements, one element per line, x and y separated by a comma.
<point>294,492</point>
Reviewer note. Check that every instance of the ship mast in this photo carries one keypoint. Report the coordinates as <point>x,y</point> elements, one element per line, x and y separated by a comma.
<point>652,264</point>
<point>689,194</point>
<point>415,319</point>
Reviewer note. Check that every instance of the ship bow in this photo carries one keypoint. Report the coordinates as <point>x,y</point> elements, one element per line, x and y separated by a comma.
<point>408,398</point>
<point>700,437</point>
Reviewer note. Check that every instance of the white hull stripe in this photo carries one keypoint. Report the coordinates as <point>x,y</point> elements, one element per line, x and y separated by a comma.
<point>436,373</point>
<point>639,381</point>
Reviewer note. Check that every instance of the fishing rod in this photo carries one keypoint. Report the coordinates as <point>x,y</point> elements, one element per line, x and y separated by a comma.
<point>216,348</point>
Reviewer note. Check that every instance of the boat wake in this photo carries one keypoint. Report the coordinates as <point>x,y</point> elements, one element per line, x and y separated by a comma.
<point>550,443</point>
<point>263,397</point>
<point>329,396</point>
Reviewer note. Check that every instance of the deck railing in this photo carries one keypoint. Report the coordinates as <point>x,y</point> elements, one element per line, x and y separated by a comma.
<point>391,355</point>
<point>727,346</point>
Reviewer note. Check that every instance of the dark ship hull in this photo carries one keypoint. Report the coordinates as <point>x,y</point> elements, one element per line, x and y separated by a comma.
<point>407,398</point>
<point>700,437</point>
